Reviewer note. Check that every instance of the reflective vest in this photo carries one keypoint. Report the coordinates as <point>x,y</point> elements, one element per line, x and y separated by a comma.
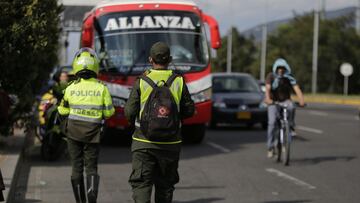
<point>159,77</point>
<point>87,100</point>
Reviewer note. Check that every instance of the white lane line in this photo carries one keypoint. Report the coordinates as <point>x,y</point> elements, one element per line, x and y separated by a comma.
<point>219,147</point>
<point>357,118</point>
<point>312,130</point>
<point>318,113</point>
<point>290,178</point>
<point>37,192</point>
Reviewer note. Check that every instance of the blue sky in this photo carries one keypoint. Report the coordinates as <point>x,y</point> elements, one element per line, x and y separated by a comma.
<point>245,14</point>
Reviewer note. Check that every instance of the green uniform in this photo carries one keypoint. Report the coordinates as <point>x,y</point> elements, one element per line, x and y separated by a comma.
<point>86,103</point>
<point>155,163</point>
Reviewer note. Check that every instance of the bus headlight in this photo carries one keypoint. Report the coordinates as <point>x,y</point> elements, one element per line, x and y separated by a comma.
<point>202,96</point>
<point>118,102</point>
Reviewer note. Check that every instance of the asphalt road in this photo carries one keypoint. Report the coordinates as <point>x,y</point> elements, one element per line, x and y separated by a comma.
<point>229,166</point>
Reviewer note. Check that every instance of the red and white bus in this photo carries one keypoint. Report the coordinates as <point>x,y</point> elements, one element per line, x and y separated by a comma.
<point>122,33</point>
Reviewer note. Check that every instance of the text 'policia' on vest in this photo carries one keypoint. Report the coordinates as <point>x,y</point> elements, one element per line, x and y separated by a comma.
<point>85,93</point>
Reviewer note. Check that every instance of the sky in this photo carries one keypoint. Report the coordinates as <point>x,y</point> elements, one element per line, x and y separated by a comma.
<point>245,14</point>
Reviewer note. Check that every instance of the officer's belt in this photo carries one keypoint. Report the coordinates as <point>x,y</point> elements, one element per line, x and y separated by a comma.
<point>86,119</point>
<point>92,107</point>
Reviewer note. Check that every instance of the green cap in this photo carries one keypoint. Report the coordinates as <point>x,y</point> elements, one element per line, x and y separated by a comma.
<point>160,53</point>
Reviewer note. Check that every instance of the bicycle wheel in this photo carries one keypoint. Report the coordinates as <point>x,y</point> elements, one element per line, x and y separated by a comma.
<point>279,146</point>
<point>286,145</point>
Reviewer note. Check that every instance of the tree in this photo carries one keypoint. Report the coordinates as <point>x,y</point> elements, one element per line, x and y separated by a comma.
<point>243,54</point>
<point>29,31</point>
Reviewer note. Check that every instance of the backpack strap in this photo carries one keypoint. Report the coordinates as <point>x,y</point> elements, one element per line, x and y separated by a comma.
<point>148,81</point>
<point>171,79</point>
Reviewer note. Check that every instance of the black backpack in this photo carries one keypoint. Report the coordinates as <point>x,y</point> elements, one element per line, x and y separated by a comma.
<point>160,119</point>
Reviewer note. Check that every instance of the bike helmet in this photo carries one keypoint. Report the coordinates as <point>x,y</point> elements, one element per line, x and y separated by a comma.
<point>86,59</point>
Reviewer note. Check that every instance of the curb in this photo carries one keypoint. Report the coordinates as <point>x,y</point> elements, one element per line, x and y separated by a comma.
<point>12,189</point>
<point>10,165</point>
<point>351,102</point>
<point>330,100</point>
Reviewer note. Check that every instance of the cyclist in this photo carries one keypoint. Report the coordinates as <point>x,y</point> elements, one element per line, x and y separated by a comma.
<point>279,85</point>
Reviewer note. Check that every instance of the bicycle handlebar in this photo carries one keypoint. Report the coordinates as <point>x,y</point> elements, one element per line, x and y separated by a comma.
<point>297,104</point>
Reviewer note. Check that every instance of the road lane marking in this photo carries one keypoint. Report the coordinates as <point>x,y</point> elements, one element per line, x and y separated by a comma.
<point>318,113</point>
<point>290,178</point>
<point>312,130</point>
<point>37,192</point>
<point>219,147</point>
<point>357,118</point>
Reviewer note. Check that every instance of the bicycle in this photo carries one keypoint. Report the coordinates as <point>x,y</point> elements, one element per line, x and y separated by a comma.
<point>284,137</point>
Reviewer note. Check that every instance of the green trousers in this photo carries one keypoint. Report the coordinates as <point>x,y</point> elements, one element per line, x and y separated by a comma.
<point>153,167</point>
<point>83,155</point>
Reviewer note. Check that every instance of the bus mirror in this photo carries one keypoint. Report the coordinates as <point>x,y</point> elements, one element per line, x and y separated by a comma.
<point>214,31</point>
<point>87,32</point>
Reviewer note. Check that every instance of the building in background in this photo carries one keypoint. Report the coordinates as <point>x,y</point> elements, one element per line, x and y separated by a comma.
<point>71,21</point>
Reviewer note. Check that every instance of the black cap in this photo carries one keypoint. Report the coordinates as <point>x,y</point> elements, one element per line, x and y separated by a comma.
<point>160,53</point>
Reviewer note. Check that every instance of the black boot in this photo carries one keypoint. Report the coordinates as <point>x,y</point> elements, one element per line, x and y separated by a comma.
<point>79,190</point>
<point>92,184</point>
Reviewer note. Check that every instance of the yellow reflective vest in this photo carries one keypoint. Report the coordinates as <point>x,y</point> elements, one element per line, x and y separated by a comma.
<point>86,102</point>
<point>159,77</point>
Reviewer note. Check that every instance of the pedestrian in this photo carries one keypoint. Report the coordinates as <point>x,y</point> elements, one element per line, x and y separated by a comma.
<point>157,103</point>
<point>279,85</point>
<point>5,104</point>
<point>61,79</point>
<point>86,103</point>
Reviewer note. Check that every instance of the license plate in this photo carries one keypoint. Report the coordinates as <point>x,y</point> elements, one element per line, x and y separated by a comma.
<point>244,115</point>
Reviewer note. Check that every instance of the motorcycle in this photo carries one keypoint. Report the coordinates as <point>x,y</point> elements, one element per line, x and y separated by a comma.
<point>53,143</point>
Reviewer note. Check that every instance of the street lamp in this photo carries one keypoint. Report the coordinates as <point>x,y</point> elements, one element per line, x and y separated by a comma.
<point>263,45</point>
<point>315,50</point>
<point>229,46</point>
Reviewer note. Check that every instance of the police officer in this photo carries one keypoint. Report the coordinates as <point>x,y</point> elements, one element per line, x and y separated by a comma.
<point>156,163</point>
<point>86,103</point>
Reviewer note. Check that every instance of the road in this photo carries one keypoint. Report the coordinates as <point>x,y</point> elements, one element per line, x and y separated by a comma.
<point>229,166</point>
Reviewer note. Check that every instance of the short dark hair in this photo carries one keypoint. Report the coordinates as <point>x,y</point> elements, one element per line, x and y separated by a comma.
<point>160,53</point>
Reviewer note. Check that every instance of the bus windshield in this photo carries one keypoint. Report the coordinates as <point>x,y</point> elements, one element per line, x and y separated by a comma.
<point>124,40</point>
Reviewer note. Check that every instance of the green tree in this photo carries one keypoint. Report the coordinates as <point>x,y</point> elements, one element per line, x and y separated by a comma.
<point>29,31</point>
<point>243,54</point>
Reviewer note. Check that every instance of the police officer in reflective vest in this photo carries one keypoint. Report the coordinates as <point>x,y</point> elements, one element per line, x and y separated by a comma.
<point>86,103</point>
<point>155,160</point>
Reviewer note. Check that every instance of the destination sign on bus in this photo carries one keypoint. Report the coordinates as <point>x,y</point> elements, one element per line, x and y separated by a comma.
<point>152,22</point>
